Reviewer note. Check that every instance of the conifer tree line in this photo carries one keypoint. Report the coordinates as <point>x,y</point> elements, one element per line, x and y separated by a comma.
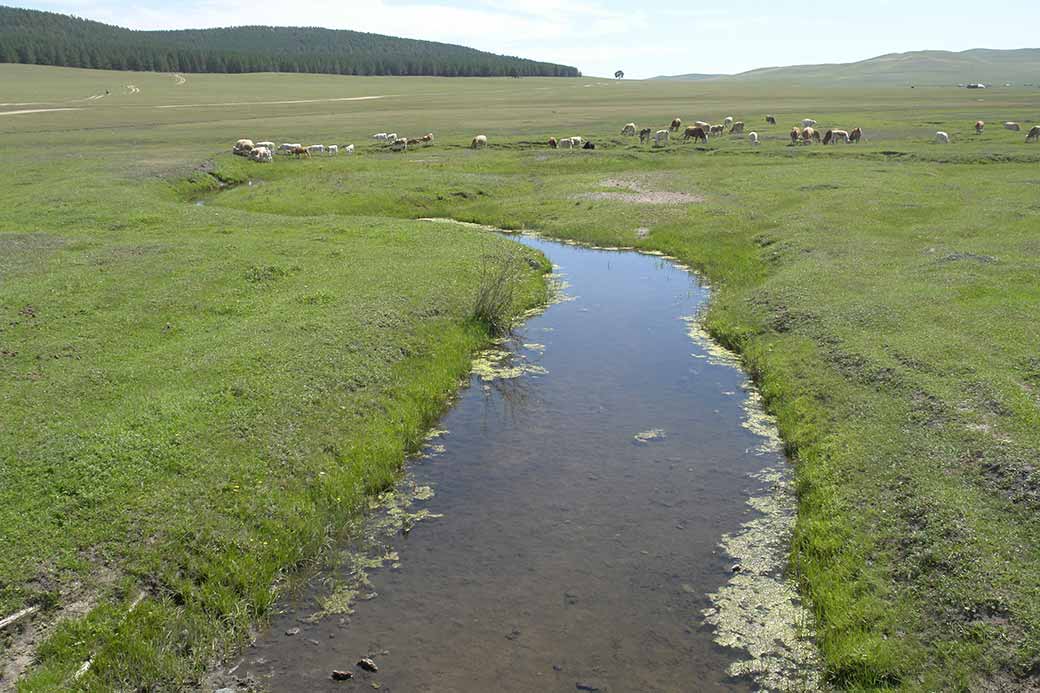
<point>48,38</point>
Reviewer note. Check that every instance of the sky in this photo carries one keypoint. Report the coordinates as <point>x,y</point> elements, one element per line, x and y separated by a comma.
<point>600,36</point>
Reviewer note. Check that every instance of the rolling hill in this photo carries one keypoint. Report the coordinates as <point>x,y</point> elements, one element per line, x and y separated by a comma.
<point>47,38</point>
<point>924,68</point>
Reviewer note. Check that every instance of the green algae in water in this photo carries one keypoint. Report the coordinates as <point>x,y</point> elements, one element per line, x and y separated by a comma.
<point>495,364</point>
<point>647,436</point>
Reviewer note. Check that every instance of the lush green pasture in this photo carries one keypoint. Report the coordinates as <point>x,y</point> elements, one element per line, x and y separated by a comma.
<point>184,383</point>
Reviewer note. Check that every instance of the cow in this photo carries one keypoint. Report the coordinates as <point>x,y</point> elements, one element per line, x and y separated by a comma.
<point>588,145</point>
<point>702,125</point>
<point>347,149</point>
<point>855,135</point>
<point>300,151</point>
<point>837,135</point>
<point>316,149</point>
<point>694,133</point>
<point>644,135</point>
<point>770,120</point>
<point>479,142</point>
<point>391,137</point>
<point>808,123</point>
<point>399,144</point>
<point>565,143</point>
<point>288,147</point>
<point>576,141</point>
<point>1012,126</point>
<point>379,136</point>
<point>738,128</point>
<point>661,138</point>
<point>753,137</point>
<point>261,155</point>
<point>552,143</point>
<point>795,134</point>
<point>427,138</point>
<point>629,130</point>
<point>242,147</point>
<point>809,135</point>
<point>266,145</point>
<point>676,124</point>
<point>942,137</point>
<point>728,121</point>
<point>413,141</point>
<point>979,126</point>
<point>332,149</point>
<point>1034,134</point>
<point>716,130</point>
<point>827,137</point>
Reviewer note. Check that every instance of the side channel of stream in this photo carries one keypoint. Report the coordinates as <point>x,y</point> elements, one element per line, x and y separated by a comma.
<point>607,508</point>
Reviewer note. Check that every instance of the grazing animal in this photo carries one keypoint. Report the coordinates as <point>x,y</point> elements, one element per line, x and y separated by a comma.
<point>576,141</point>
<point>391,137</point>
<point>808,123</point>
<point>1012,126</point>
<point>288,147</point>
<point>242,147</point>
<point>703,125</point>
<point>644,135</point>
<point>316,149</point>
<point>427,138</point>
<point>552,143</point>
<point>268,145</point>
<point>827,137</point>
<point>661,138</point>
<point>380,136</point>
<point>810,135</point>
<point>299,151</point>
<point>942,137</point>
<point>1034,134</point>
<point>588,145</point>
<point>332,149</point>
<point>841,135</point>
<point>261,155</point>
<point>479,142</point>
<point>695,133</point>
<point>413,141</point>
<point>629,130</point>
<point>717,130</point>
<point>728,121</point>
<point>753,137</point>
<point>855,135</point>
<point>400,144</point>
<point>979,126</point>
<point>770,120</point>
<point>795,134</point>
<point>676,124</point>
<point>348,149</point>
<point>565,143</point>
<point>738,128</point>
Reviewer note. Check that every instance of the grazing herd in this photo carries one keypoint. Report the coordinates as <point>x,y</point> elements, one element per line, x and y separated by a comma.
<point>700,131</point>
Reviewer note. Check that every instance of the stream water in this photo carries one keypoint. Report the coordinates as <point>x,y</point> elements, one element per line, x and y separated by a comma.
<point>566,531</point>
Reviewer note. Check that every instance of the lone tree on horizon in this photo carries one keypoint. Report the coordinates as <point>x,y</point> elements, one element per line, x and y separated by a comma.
<point>620,74</point>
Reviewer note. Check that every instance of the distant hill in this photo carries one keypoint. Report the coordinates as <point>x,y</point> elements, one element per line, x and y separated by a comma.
<point>47,38</point>
<point>694,77</point>
<point>923,68</point>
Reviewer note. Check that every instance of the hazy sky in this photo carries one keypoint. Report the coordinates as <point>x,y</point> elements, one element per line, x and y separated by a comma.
<point>599,36</point>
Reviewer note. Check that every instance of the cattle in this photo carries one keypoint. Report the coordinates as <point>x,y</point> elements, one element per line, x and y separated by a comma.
<point>661,138</point>
<point>332,149</point>
<point>391,137</point>
<point>855,135</point>
<point>242,147</point>
<point>479,142</point>
<point>694,133</point>
<point>808,123</point>
<point>728,121</point>
<point>716,130</point>
<point>738,128</point>
<point>942,137</point>
<point>266,145</point>
<point>753,137</point>
<point>770,120</point>
<point>827,137</point>
<point>810,135</point>
<point>576,141</point>
<point>347,149</point>
<point>299,151</point>
<point>644,135</point>
<point>552,143</point>
<point>565,143</point>
<point>261,155</point>
<point>427,138</point>
<point>1012,126</point>
<point>795,134</point>
<point>399,144</point>
<point>1034,134</point>
<point>701,124</point>
<point>836,135</point>
<point>979,126</point>
<point>413,141</point>
<point>588,145</point>
<point>380,136</point>
<point>676,124</point>
<point>629,130</point>
<point>316,149</point>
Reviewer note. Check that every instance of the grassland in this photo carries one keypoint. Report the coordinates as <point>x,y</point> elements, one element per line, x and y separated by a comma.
<point>184,383</point>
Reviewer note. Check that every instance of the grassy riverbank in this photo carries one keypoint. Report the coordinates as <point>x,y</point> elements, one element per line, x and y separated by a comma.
<point>189,382</point>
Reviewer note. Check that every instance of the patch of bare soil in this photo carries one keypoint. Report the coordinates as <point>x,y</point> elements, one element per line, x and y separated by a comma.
<point>634,192</point>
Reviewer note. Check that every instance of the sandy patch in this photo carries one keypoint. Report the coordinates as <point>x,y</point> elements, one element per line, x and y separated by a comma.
<point>634,192</point>
<point>181,79</point>
<point>38,110</point>
<point>272,103</point>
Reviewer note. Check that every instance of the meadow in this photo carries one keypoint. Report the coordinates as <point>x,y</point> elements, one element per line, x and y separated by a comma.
<point>208,363</point>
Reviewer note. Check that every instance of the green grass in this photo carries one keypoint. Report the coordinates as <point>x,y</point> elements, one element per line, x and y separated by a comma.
<point>194,381</point>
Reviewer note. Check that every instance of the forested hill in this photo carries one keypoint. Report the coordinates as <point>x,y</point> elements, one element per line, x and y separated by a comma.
<point>47,38</point>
